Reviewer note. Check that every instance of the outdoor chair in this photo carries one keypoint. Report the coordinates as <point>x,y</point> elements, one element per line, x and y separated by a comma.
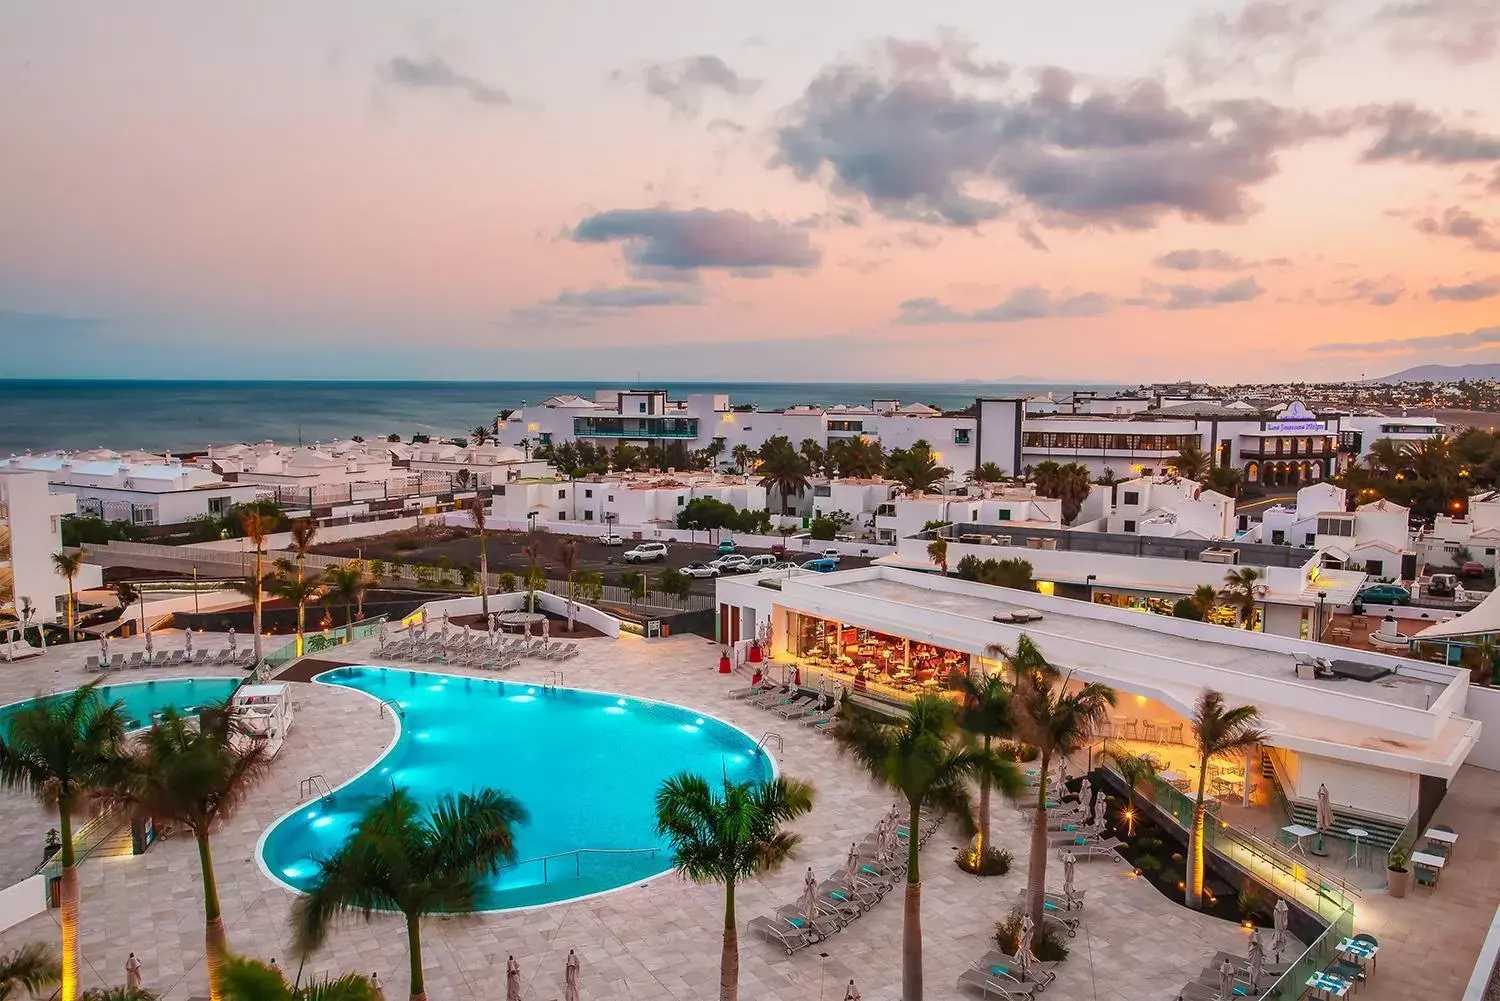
<point>992,984</point>
<point>780,930</point>
<point>91,664</point>
<point>1042,973</point>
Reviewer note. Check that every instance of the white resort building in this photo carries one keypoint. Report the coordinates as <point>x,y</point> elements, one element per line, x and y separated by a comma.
<point>30,533</point>
<point>1384,734</point>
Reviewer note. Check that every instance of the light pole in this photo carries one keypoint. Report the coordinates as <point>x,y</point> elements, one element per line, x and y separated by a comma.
<point>195,589</point>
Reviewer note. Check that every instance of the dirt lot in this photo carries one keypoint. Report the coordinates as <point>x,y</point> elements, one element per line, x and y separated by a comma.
<point>461,546</point>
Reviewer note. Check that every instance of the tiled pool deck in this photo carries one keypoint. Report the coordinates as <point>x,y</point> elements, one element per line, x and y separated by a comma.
<point>659,940</point>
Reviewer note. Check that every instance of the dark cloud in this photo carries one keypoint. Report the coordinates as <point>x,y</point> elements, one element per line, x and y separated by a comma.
<point>916,147</point>
<point>726,125</point>
<point>683,82</point>
<point>577,307</point>
<point>1467,292</point>
<point>1462,31</point>
<point>687,240</point>
<point>1385,291</point>
<point>1030,303</point>
<point>951,50</point>
<point>1200,260</point>
<point>1461,224</point>
<point>1197,297</point>
<point>1264,39</point>
<point>1465,340</point>
<point>1415,135</point>
<point>434,73</point>
<point>1029,237</point>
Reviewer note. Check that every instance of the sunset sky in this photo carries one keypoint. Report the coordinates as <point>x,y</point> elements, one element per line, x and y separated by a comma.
<point>946,190</point>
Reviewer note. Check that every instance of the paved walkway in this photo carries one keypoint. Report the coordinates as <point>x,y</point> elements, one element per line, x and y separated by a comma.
<point>655,942</point>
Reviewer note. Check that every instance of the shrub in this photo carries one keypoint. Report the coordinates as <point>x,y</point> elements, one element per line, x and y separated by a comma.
<point>1008,932</point>
<point>1147,843</point>
<point>1148,863</point>
<point>406,545</point>
<point>996,862</point>
<point>469,577</point>
<point>1251,902</point>
<point>377,570</point>
<point>507,582</point>
<point>1046,941</point>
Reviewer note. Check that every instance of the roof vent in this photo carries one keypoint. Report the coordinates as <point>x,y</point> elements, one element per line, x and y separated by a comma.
<point>1219,556</point>
<point>1019,616</point>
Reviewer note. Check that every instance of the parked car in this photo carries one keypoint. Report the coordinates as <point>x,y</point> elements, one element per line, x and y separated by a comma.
<point>1473,568</point>
<point>787,565</point>
<point>778,549</point>
<point>646,552</point>
<point>727,546</point>
<point>758,562</point>
<point>611,539</point>
<point>700,570</point>
<point>830,554</point>
<point>1442,585</point>
<point>728,564</point>
<point>821,565</point>
<point>1384,594</point>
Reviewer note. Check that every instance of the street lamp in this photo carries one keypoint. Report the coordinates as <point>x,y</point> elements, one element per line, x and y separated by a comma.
<point>195,589</point>
<point>1322,597</point>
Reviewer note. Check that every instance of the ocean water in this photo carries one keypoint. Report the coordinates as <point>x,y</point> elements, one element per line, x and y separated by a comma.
<point>76,414</point>
<point>141,700</point>
<point>585,765</point>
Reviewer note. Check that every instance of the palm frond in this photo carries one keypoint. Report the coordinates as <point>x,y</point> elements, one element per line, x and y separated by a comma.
<point>32,967</point>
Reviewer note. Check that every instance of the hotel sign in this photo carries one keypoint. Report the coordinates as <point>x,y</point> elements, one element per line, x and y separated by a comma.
<point>1296,418</point>
<point>1295,426</point>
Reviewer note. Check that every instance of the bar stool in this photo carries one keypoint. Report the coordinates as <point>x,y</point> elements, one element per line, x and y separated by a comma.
<point>1148,730</point>
<point>1176,733</point>
<point>1131,726</point>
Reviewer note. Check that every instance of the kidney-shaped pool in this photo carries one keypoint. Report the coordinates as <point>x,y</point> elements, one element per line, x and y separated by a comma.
<point>586,765</point>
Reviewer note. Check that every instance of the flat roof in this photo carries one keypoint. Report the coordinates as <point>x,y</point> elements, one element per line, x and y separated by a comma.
<point>1139,638</point>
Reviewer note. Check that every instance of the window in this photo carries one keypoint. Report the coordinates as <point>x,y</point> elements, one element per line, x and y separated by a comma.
<point>1131,497</point>
<point>960,436</point>
<point>1004,514</point>
<point>1130,526</point>
<point>643,407</point>
<point>1277,537</point>
<point>562,495</point>
<point>1310,539</point>
<point>974,514</point>
<point>588,492</point>
<point>588,515</point>
<point>822,490</point>
<point>500,491</point>
<point>885,511</point>
<point>1489,552</point>
<point>218,505</point>
<point>56,524</point>
<point>611,498</point>
<point>1375,568</point>
<point>681,500</point>
<point>1343,527</point>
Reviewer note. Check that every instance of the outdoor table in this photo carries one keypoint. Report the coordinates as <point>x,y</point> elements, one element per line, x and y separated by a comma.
<point>1301,832</point>
<point>1442,837</point>
<point>1362,949</point>
<point>1356,833</point>
<point>1328,985</point>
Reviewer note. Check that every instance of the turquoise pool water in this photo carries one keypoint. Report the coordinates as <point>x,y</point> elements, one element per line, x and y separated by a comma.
<point>586,766</point>
<point>143,699</point>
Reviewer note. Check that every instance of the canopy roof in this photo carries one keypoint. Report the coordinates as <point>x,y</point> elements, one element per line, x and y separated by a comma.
<point>1482,619</point>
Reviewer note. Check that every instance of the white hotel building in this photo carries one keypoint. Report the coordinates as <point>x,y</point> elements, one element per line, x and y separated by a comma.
<point>30,533</point>
<point>1278,446</point>
<point>1385,734</point>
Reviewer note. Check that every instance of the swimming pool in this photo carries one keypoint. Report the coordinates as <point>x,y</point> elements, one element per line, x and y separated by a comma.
<point>143,699</point>
<point>586,765</point>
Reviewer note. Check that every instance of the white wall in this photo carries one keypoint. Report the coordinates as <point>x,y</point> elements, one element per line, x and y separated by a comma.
<point>22,900</point>
<point>586,614</point>
<point>1364,788</point>
<point>1484,705</point>
<point>35,524</point>
<point>327,533</point>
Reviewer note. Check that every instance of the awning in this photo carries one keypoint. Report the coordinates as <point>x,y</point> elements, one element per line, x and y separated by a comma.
<point>1483,618</point>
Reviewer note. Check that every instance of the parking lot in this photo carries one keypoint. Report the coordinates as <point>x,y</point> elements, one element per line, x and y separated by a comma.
<point>505,551</point>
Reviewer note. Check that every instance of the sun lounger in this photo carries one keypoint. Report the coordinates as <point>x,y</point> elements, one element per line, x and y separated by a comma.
<point>91,663</point>
<point>1065,821</point>
<point>136,660</point>
<point>750,691</point>
<point>1242,965</point>
<point>1108,848</point>
<point>799,707</point>
<point>819,926</point>
<point>780,930</point>
<point>1042,973</point>
<point>1086,835</point>
<point>774,697</point>
<point>994,985</point>
<point>846,901</point>
<point>175,657</point>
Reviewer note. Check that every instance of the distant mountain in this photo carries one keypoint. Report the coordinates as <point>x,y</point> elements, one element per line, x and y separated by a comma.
<point>1443,373</point>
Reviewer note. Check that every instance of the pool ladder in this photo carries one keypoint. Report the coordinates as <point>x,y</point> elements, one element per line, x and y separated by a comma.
<point>394,707</point>
<point>766,740</point>
<point>314,787</point>
<point>554,681</point>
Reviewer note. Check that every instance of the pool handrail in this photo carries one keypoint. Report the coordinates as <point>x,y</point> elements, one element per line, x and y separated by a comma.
<point>578,854</point>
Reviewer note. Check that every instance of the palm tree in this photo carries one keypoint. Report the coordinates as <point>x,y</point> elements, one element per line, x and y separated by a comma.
<point>1070,484</point>
<point>479,434</point>
<point>815,455</point>
<point>922,761</point>
<point>346,585</point>
<point>300,592</point>
<point>248,980</point>
<point>937,552</point>
<point>1217,731</point>
<point>534,580</point>
<point>1239,591</point>
<point>1057,723</point>
<point>195,773</point>
<point>989,472</point>
<point>783,469</point>
<point>1191,462</point>
<point>1485,649</point>
<point>477,517</point>
<point>1205,599</point>
<point>567,558</point>
<point>128,594</point>
<point>1026,661</point>
<point>303,531</point>
<point>1137,770</point>
<point>31,968</point>
<point>1227,480</point>
<point>399,859</point>
<point>256,525</point>
<point>742,455</point>
<point>119,994</point>
<point>1388,456</point>
<point>986,715</point>
<point>729,839</point>
<point>63,749</point>
<point>916,468</point>
<point>67,566</point>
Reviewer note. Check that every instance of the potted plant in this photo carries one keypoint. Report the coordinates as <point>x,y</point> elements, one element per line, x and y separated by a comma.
<point>1397,875</point>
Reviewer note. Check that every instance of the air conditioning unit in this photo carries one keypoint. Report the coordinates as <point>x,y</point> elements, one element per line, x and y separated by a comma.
<point>1041,543</point>
<point>999,540</point>
<point>1219,556</point>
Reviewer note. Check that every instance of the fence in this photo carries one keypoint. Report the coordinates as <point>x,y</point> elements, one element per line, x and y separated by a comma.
<point>1327,896</point>
<point>322,640</point>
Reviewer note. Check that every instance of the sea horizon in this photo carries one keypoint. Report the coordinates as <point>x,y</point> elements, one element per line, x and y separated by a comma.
<point>191,414</point>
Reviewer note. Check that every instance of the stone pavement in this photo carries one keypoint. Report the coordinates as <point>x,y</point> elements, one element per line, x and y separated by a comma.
<point>656,942</point>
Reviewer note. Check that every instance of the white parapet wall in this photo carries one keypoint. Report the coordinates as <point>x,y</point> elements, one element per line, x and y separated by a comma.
<point>586,614</point>
<point>22,900</point>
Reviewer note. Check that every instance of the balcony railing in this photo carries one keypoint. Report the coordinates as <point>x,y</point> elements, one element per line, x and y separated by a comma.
<point>665,430</point>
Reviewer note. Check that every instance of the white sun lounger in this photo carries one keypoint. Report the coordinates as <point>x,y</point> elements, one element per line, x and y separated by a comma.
<point>1108,848</point>
<point>991,984</point>
<point>782,931</point>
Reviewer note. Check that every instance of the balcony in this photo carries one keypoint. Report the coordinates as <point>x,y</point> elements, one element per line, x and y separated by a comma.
<point>635,427</point>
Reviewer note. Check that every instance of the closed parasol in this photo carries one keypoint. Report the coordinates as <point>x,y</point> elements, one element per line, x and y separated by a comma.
<point>1070,862</point>
<point>809,896</point>
<point>1023,946</point>
<point>188,644</point>
<point>1085,793</point>
<point>1257,959</point>
<point>571,971</point>
<point>1279,916</point>
<point>1226,980</point>
<point>512,980</point>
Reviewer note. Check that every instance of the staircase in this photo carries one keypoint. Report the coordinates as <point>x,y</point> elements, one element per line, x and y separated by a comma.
<point>1383,833</point>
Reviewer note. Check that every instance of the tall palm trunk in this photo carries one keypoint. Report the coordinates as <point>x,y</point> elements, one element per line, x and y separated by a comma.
<point>259,601</point>
<point>215,942</point>
<point>1195,843</point>
<point>68,901</point>
<point>301,609</point>
<point>729,956</point>
<point>571,595</point>
<point>984,807</point>
<point>414,948</point>
<point>1036,869</point>
<point>71,613</point>
<point>348,623</point>
<point>911,919</point>
<point>484,578</point>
